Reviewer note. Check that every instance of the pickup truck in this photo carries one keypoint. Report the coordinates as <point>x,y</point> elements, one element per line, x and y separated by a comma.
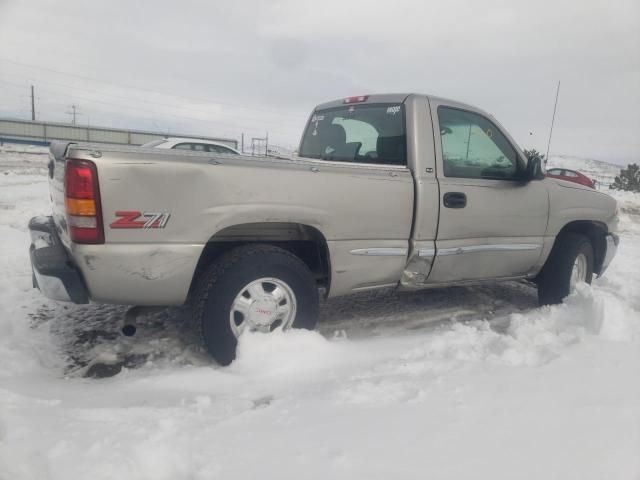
<point>395,190</point>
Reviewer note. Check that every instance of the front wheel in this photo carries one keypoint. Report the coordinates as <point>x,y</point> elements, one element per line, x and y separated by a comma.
<point>570,263</point>
<point>252,288</point>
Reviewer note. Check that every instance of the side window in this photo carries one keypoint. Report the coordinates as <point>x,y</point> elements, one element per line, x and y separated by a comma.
<point>198,147</point>
<point>554,171</point>
<point>473,147</point>
<point>570,173</point>
<point>183,146</point>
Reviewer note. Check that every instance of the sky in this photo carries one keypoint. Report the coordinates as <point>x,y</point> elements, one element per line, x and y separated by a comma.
<point>222,68</point>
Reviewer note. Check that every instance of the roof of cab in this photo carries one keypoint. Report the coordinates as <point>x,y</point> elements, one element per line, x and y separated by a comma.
<point>394,98</point>
<point>401,98</point>
<point>378,98</point>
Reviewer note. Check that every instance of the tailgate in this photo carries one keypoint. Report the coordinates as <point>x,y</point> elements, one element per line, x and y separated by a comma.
<point>56,164</point>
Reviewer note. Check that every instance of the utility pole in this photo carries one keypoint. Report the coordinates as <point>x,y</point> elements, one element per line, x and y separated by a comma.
<point>33,105</point>
<point>73,113</point>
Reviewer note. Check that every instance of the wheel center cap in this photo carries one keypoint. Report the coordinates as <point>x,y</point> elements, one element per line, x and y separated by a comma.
<point>263,311</point>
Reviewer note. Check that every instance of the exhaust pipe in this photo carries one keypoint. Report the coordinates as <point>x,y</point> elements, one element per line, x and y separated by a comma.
<point>130,322</point>
<point>128,330</point>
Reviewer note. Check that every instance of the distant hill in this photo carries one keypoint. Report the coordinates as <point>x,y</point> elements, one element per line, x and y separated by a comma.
<point>603,172</point>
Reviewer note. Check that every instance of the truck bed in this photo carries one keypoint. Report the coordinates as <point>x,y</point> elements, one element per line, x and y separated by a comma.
<point>208,197</point>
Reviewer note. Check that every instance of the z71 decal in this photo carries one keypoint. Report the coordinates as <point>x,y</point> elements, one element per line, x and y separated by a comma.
<point>140,220</point>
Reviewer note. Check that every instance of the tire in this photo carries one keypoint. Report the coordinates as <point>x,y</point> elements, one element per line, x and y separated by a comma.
<point>219,289</point>
<point>554,281</point>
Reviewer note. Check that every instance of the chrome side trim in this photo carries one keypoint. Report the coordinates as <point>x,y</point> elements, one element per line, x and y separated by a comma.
<point>374,287</point>
<point>335,163</point>
<point>498,247</point>
<point>457,283</point>
<point>381,251</point>
<point>426,252</point>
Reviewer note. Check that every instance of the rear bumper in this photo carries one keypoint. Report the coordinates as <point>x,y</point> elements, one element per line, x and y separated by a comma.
<point>611,248</point>
<point>53,272</point>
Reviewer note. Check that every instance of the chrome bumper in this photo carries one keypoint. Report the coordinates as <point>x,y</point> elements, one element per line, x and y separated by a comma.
<point>612,247</point>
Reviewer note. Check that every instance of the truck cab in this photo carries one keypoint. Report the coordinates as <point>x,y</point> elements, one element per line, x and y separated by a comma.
<point>480,211</point>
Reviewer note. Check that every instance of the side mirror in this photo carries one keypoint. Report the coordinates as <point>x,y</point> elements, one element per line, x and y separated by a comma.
<point>534,169</point>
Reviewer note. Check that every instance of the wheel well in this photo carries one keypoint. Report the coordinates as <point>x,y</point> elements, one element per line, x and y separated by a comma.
<point>596,232</point>
<point>305,242</point>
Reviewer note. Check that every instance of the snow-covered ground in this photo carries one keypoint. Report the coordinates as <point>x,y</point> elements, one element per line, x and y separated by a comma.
<point>448,384</point>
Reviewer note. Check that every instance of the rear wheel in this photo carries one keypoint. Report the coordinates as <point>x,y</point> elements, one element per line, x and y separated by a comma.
<point>570,263</point>
<point>252,288</point>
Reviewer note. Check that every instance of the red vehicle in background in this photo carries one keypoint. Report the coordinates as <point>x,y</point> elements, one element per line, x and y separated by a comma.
<point>571,176</point>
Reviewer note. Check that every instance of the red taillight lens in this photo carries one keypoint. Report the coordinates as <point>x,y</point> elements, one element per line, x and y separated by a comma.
<point>79,180</point>
<point>82,202</point>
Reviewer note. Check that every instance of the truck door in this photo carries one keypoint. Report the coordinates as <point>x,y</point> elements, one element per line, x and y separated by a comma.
<point>357,151</point>
<point>492,223</point>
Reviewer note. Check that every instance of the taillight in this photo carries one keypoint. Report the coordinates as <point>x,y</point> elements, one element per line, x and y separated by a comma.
<point>82,202</point>
<point>358,99</point>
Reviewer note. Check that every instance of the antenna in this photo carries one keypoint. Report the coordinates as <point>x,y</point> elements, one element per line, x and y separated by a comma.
<point>553,118</point>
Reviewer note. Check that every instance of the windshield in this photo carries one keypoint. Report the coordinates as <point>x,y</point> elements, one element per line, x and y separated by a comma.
<point>357,133</point>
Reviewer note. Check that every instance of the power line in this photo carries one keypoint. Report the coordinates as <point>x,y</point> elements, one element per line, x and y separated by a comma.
<point>130,99</point>
<point>122,85</point>
<point>140,109</point>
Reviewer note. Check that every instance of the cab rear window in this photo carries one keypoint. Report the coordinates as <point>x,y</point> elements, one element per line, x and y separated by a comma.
<point>357,133</point>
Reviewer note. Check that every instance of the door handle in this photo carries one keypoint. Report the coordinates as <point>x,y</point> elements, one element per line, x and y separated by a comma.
<point>454,200</point>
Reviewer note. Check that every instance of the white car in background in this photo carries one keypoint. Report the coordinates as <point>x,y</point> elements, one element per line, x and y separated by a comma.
<point>195,144</point>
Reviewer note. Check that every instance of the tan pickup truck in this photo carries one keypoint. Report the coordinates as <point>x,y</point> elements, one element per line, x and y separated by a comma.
<point>404,190</point>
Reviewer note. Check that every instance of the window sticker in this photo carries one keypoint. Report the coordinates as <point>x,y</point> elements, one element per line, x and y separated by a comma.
<point>393,110</point>
<point>315,119</point>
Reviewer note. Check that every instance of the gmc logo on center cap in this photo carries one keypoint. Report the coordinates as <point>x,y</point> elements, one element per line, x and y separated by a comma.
<point>144,220</point>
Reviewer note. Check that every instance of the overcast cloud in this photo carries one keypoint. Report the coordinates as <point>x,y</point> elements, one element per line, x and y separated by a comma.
<point>222,68</point>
